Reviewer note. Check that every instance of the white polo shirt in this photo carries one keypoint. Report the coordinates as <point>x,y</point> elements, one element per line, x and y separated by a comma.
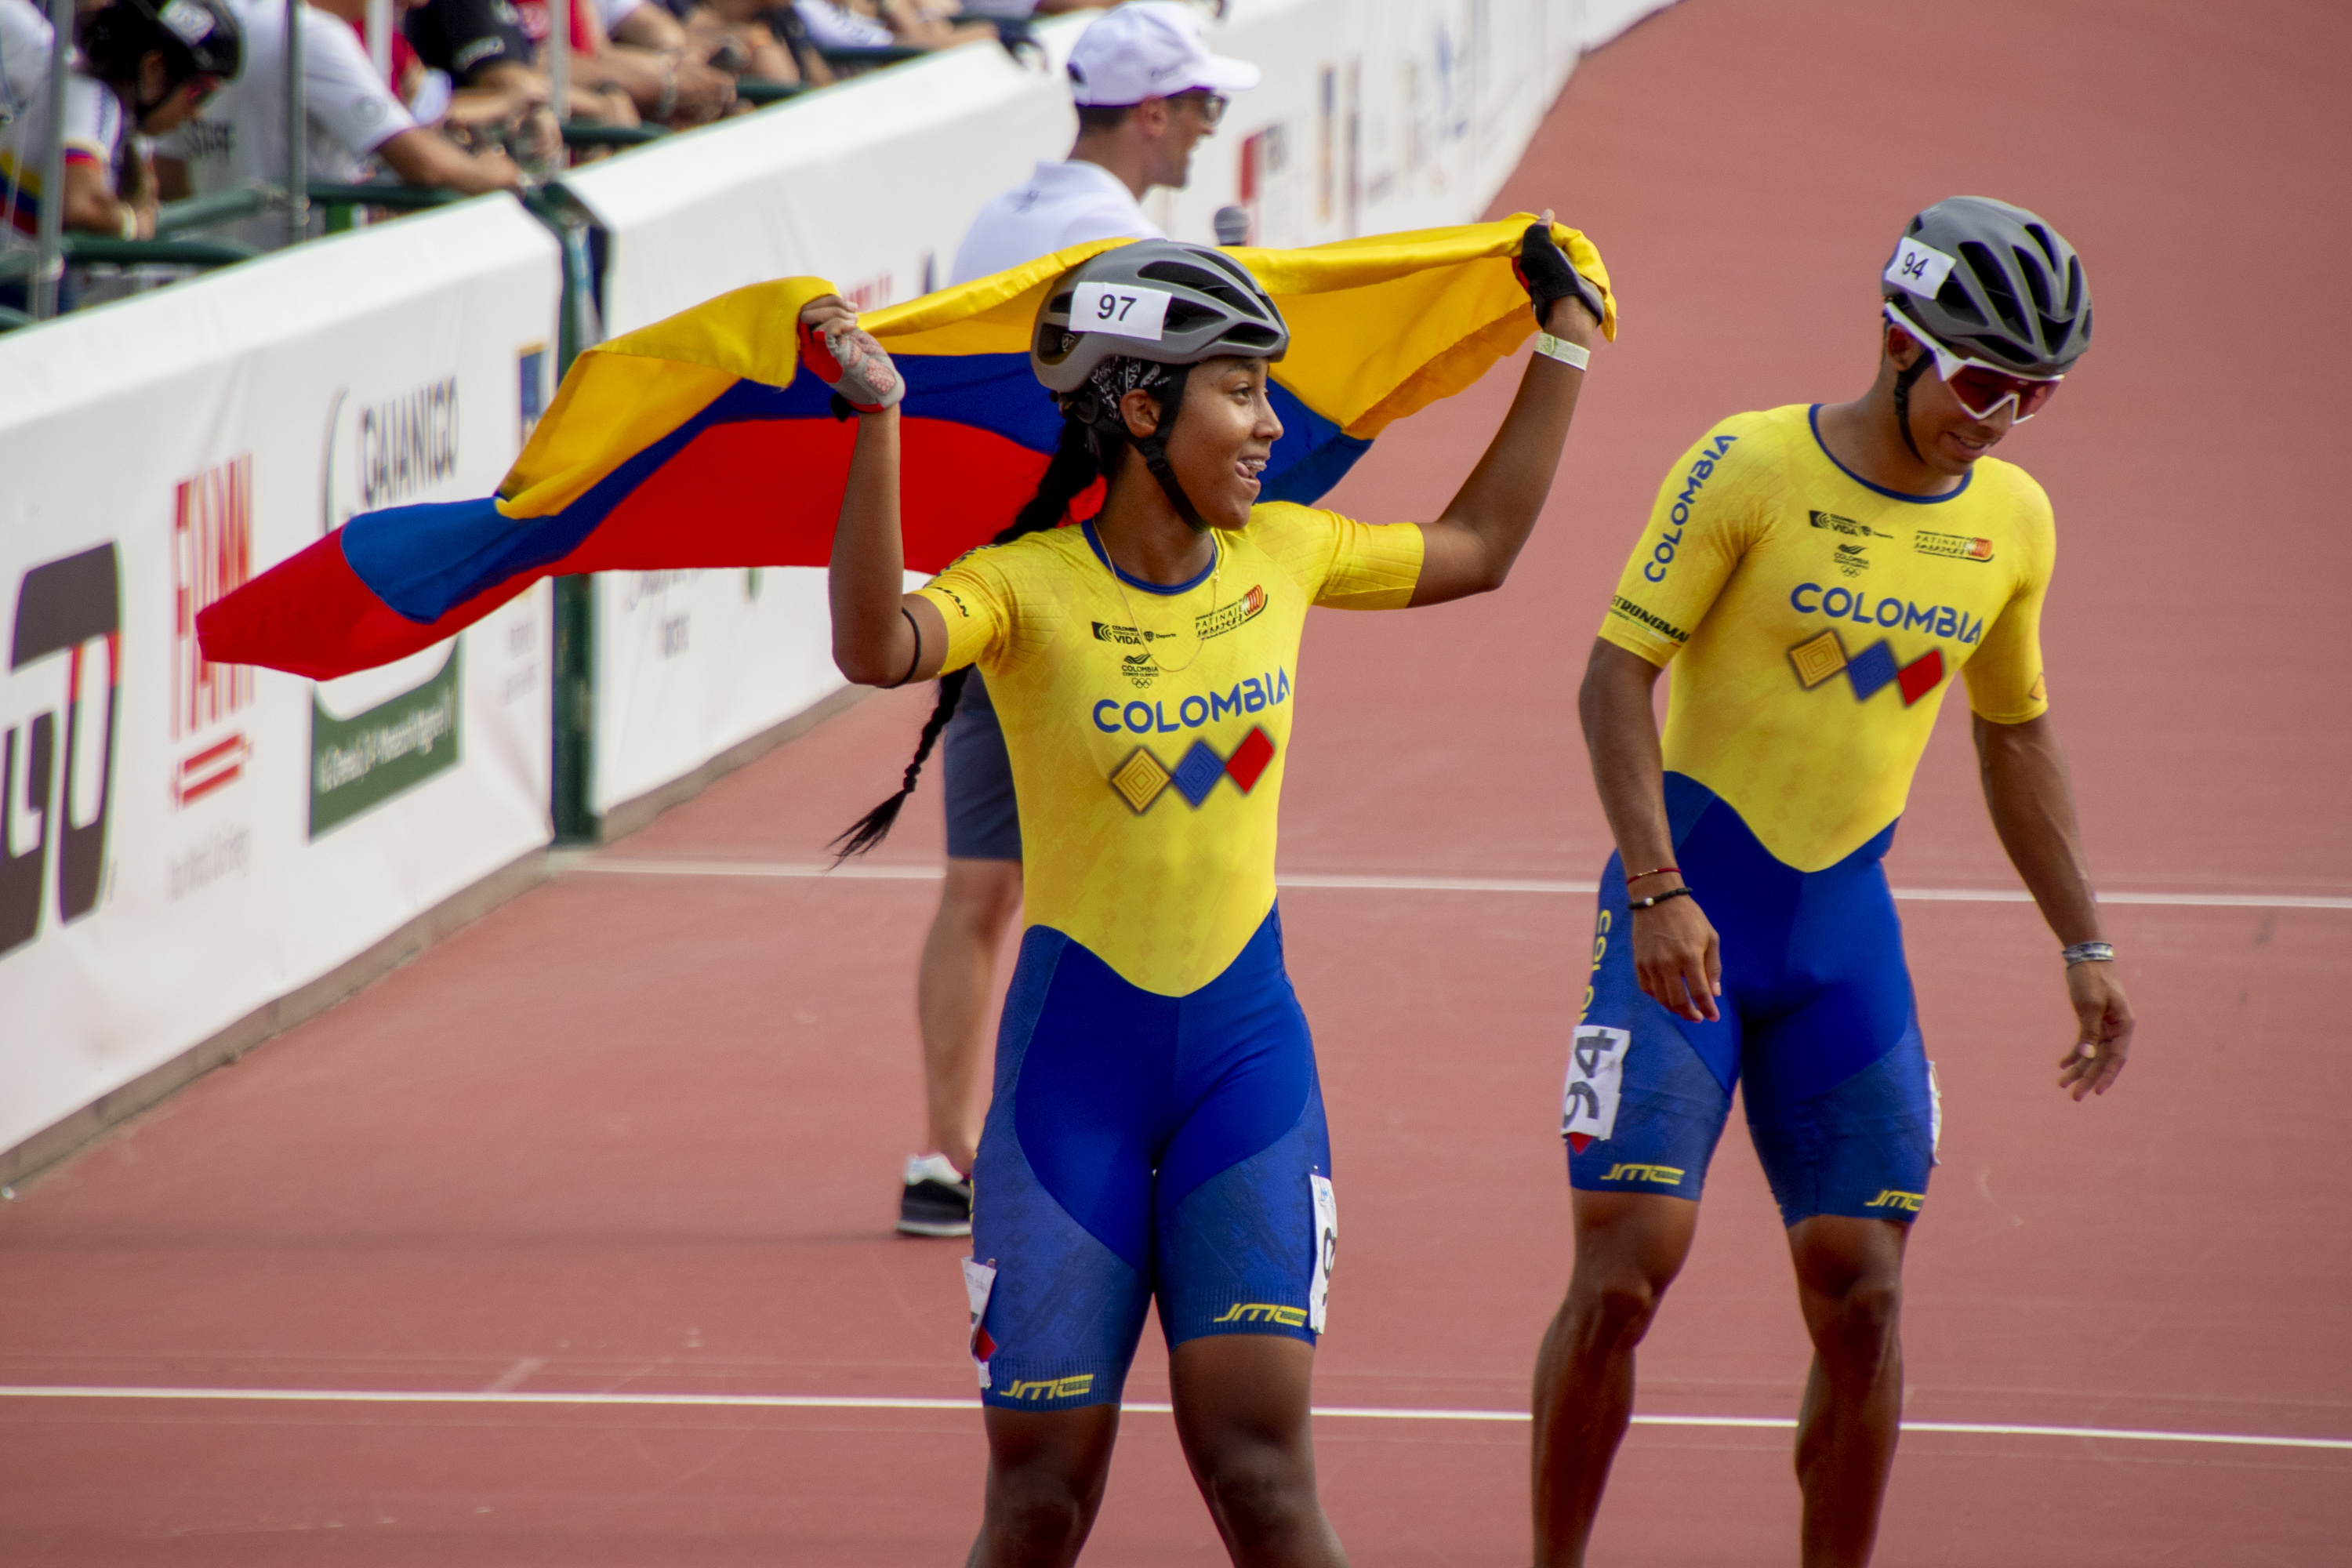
<point>1061,204</point>
<point>241,134</point>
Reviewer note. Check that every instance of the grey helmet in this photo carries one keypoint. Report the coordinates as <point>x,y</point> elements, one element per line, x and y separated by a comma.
<point>1995,278</point>
<point>1162,303</point>
<point>1210,307</point>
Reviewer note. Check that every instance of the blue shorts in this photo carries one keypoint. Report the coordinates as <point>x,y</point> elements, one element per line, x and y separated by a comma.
<point>1142,1146</point>
<point>1817,1018</point>
<point>983,819</point>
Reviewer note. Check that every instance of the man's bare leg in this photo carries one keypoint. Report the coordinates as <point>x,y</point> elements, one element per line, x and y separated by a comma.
<point>977,906</point>
<point>1628,1247</point>
<point>1850,1284</point>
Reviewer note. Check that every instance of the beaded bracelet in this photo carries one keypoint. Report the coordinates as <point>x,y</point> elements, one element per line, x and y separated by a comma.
<point>1655,900</point>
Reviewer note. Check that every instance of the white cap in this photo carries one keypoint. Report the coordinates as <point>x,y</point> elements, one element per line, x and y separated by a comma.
<point>1150,48</point>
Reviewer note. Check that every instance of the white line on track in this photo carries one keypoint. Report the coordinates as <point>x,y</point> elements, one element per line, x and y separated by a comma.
<point>617,865</point>
<point>856,1402</point>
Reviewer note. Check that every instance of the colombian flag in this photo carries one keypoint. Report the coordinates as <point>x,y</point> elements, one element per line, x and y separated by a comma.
<point>696,443</point>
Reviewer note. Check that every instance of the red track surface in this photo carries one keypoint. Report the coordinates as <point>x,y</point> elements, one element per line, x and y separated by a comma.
<point>640,1133</point>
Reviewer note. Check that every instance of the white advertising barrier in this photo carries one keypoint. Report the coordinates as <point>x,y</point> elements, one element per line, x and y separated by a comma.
<point>871,184</point>
<point>183,843</point>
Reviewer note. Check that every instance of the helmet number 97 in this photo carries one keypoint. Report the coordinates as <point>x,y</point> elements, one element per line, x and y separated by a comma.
<point>1121,310</point>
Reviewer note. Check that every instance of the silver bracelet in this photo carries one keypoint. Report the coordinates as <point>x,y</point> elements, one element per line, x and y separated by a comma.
<point>2088,953</point>
<point>1573,354</point>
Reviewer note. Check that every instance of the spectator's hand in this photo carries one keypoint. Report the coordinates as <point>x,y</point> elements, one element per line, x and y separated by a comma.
<point>538,137</point>
<point>501,170</point>
<point>703,93</point>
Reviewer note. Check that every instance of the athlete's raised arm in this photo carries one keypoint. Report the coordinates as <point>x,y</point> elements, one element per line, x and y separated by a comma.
<point>1470,547</point>
<point>882,635</point>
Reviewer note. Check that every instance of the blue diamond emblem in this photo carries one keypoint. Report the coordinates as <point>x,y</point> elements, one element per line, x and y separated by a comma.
<point>1870,669</point>
<point>1198,773</point>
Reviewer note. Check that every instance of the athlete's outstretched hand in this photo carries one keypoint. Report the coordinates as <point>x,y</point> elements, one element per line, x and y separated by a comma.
<point>845,356</point>
<point>1678,959</point>
<point>2095,1059</point>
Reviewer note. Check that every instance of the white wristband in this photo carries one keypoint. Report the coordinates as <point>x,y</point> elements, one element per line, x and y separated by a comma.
<point>1560,349</point>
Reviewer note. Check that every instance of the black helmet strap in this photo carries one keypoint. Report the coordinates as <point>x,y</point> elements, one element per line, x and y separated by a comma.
<point>1153,450</point>
<point>1903,382</point>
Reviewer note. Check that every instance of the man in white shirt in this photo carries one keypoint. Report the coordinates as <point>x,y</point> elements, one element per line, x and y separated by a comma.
<point>1148,90</point>
<point>351,116</point>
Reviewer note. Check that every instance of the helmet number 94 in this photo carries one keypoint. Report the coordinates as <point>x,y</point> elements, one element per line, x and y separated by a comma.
<point>1121,309</point>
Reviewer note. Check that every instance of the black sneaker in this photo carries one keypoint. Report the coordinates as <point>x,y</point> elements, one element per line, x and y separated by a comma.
<point>938,1199</point>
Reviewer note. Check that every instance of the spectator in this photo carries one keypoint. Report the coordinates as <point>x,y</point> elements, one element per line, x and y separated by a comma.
<point>487,48</point>
<point>1148,89</point>
<point>739,36</point>
<point>350,117</point>
<point>662,85</point>
<point>24,62</point>
<point>835,24</point>
<point>139,68</point>
<point>1011,18</point>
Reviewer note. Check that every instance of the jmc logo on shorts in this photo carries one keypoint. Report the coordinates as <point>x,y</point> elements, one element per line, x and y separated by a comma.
<point>1263,1313</point>
<point>1050,1387</point>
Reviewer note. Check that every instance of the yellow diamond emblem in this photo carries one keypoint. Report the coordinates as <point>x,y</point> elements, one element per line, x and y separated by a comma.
<point>1817,660</point>
<point>1140,780</point>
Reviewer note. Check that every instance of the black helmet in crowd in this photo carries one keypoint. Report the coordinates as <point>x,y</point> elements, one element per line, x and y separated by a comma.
<point>1993,281</point>
<point>195,37</point>
<point>1153,303</point>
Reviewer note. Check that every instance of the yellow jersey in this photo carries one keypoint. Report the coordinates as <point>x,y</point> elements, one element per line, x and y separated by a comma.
<point>1148,726</point>
<point>1812,622</point>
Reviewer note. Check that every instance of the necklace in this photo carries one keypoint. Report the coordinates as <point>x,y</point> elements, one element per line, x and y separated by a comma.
<point>1200,638</point>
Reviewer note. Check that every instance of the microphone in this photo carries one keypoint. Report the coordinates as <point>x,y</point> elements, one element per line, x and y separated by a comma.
<point>1233,225</point>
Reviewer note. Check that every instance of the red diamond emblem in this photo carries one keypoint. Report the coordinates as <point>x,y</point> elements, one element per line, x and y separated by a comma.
<point>1921,676</point>
<point>1249,759</point>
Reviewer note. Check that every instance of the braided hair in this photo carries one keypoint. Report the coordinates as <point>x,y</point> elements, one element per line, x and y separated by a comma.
<point>1089,449</point>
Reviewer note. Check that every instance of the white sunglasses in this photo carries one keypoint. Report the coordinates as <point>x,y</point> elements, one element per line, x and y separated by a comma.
<point>1974,382</point>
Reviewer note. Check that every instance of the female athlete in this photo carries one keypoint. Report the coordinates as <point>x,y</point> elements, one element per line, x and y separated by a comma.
<point>1156,1128</point>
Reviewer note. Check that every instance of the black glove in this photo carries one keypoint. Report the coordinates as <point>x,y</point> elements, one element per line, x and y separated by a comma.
<point>1546,275</point>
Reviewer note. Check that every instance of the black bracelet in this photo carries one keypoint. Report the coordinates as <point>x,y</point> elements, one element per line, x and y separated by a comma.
<point>917,657</point>
<point>1655,900</point>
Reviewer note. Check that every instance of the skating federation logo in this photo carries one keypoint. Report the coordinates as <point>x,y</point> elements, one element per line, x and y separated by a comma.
<point>1143,778</point>
<point>1868,673</point>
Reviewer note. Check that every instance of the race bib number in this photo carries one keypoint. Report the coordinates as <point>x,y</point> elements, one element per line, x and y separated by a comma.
<point>1921,268</point>
<point>1327,1248</point>
<point>1122,309</point>
<point>979,1283</point>
<point>1935,1118</point>
<point>1596,1072</point>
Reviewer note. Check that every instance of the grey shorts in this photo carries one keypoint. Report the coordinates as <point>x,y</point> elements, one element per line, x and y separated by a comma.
<point>983,819</point>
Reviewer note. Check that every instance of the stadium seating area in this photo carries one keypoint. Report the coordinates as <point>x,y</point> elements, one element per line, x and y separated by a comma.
<point>410,104</point>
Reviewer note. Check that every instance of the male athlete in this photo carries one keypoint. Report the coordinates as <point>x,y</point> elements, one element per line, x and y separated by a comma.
<point>1819,578</point>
